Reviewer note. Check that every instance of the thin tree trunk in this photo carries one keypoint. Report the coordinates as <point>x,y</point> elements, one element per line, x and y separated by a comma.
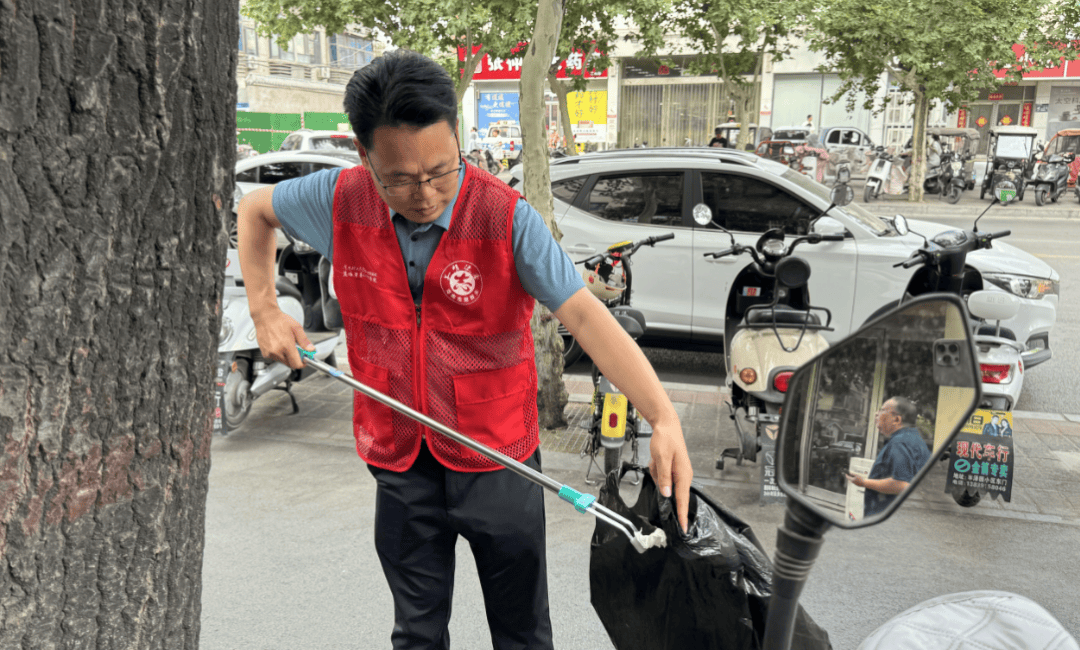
<point>563,94</point>
<point>918,147</point>
<point>117,149</point>
<point>552,396</point>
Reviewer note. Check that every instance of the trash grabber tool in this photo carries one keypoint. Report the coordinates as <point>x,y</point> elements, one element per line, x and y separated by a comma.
<point>584,503</point>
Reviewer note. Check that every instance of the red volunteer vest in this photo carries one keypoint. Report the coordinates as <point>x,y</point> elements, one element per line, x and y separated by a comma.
<point>469,363</point>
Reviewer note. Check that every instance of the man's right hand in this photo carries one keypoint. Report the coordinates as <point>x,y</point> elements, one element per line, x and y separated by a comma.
<point>278,335</point>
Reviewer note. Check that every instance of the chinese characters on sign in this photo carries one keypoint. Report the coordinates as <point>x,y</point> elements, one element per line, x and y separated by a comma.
<point>501,67</point>
<point>981,458</point>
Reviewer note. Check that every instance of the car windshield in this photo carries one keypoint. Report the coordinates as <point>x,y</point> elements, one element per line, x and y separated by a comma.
<point>875,223</point>
<point>333,143</point>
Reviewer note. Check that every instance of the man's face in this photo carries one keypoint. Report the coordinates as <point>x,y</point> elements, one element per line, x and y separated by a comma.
<point>886,420</point>
<point>408,154</point>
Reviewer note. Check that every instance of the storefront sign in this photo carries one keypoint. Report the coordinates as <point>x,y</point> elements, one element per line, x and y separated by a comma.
<point>494,67</point>
<point>1025,114</point>
<point>1064,109</point>
<point>497,107</point>
<point>981,457</point>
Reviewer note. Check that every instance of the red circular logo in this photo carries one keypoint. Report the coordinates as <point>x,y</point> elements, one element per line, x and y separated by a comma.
<point>461,282</point>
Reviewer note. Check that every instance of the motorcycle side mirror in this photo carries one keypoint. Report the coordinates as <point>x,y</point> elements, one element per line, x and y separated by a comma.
<point>702,214</point>
<point>899,388</point>
<point>841,195</point>
<point>900,223</point>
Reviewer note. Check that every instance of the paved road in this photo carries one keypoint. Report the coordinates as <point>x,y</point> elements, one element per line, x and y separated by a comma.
<point>1051,233</point>
<point>290,563</point>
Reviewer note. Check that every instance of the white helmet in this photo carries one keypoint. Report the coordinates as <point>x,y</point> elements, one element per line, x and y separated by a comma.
<point>605,288</point>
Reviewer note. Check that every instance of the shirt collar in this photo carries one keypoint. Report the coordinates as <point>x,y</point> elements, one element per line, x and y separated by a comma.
<point>444,219</point>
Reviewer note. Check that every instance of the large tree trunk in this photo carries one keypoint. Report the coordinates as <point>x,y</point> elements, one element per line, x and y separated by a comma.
<point>116,155</point>
<point>918,147</point>
<point>551,401</point>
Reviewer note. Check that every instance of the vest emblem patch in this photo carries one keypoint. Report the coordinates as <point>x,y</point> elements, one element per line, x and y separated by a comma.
<point>461,282</point>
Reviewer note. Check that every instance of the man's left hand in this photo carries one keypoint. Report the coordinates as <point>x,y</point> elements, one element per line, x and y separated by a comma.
<point>670,462</point>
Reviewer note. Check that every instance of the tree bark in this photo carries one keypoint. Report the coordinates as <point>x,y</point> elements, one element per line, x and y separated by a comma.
<point>117,149</point>
<point>563,94</point>
<point>552,397</point>
<point>918,147</point>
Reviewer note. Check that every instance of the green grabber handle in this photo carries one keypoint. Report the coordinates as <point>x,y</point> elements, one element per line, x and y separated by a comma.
<point>583,503</point>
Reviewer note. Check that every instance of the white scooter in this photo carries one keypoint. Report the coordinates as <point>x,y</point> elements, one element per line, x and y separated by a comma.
<point>771,329</point>
<point>243,375</point>
<point>929,337</point>
<point>999,357</point>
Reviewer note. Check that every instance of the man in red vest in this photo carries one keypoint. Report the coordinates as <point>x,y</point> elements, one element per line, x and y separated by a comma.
<point>437,265</point>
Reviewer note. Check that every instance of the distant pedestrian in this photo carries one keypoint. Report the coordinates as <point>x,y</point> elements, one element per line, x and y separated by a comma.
<point>474,140</point>
<point>718,139</point>
<point>809,123</point>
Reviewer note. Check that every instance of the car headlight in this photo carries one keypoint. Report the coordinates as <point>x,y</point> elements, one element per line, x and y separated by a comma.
<point>1023,285</point>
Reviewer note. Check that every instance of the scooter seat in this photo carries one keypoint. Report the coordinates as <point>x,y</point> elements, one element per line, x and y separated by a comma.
<point>286,288</point>
<point>784,316</point>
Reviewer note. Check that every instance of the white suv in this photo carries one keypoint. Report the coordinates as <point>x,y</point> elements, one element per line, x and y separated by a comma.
<point>309,140</point>
<point>606,197</point>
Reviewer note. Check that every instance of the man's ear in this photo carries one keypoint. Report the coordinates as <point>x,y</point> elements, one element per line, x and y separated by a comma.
<point>361,150</point>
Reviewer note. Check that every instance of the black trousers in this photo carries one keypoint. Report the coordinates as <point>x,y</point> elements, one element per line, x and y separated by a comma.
<point>419,514</point>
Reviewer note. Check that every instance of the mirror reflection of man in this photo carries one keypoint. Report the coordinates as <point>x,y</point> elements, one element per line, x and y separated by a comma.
<point>900,459</point>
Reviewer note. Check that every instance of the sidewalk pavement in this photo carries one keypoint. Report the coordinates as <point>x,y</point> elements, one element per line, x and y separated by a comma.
<point>970,205</point>
<point>1046,471</point>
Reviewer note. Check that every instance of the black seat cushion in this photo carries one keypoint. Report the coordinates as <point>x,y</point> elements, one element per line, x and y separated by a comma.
<point>784,316</point>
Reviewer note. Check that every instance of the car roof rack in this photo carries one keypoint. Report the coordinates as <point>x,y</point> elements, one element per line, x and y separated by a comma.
<point>733,156</point>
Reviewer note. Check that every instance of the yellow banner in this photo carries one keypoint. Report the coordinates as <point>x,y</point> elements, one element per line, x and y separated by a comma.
<point>588,106</point>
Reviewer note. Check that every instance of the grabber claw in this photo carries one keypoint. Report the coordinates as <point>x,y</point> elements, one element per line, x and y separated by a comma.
<point>583,503</point>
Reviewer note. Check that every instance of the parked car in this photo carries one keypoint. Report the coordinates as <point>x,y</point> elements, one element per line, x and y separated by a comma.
<point>630,194</point>
<point>796,134</point>
<point>849,143</point>
<point>272,168</point>
<point>309,140</point>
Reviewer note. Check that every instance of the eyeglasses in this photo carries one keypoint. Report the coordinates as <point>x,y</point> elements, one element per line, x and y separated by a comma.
<point>438,183</point>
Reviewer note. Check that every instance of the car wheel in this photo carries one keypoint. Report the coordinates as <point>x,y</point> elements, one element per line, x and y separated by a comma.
<point>234,235</point>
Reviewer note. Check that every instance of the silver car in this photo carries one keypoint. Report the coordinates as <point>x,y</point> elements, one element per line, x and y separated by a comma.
<point>631,194</point>
<point>272,168</point>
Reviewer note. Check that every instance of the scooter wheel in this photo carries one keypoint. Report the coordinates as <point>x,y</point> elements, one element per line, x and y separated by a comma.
<point>1040,196</point>
<point>868,193</point>
<point>953,195</point>
<point>966,499</point>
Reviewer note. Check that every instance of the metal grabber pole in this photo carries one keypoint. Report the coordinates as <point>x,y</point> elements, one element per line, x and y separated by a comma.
<point>584,503</point>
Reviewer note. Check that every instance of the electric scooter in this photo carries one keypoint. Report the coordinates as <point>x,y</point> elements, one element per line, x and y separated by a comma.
<point>243,375</point>
<point>770,330</point>
<point>929,337</point>
<point>1051,178</point>
<point>615,421</point>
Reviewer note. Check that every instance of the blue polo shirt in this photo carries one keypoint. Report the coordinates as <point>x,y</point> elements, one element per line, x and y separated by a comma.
<point>305,208</point>
<point>901,457</point>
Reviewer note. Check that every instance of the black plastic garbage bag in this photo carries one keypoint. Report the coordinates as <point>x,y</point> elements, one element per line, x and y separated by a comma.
<point>707,589</point>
